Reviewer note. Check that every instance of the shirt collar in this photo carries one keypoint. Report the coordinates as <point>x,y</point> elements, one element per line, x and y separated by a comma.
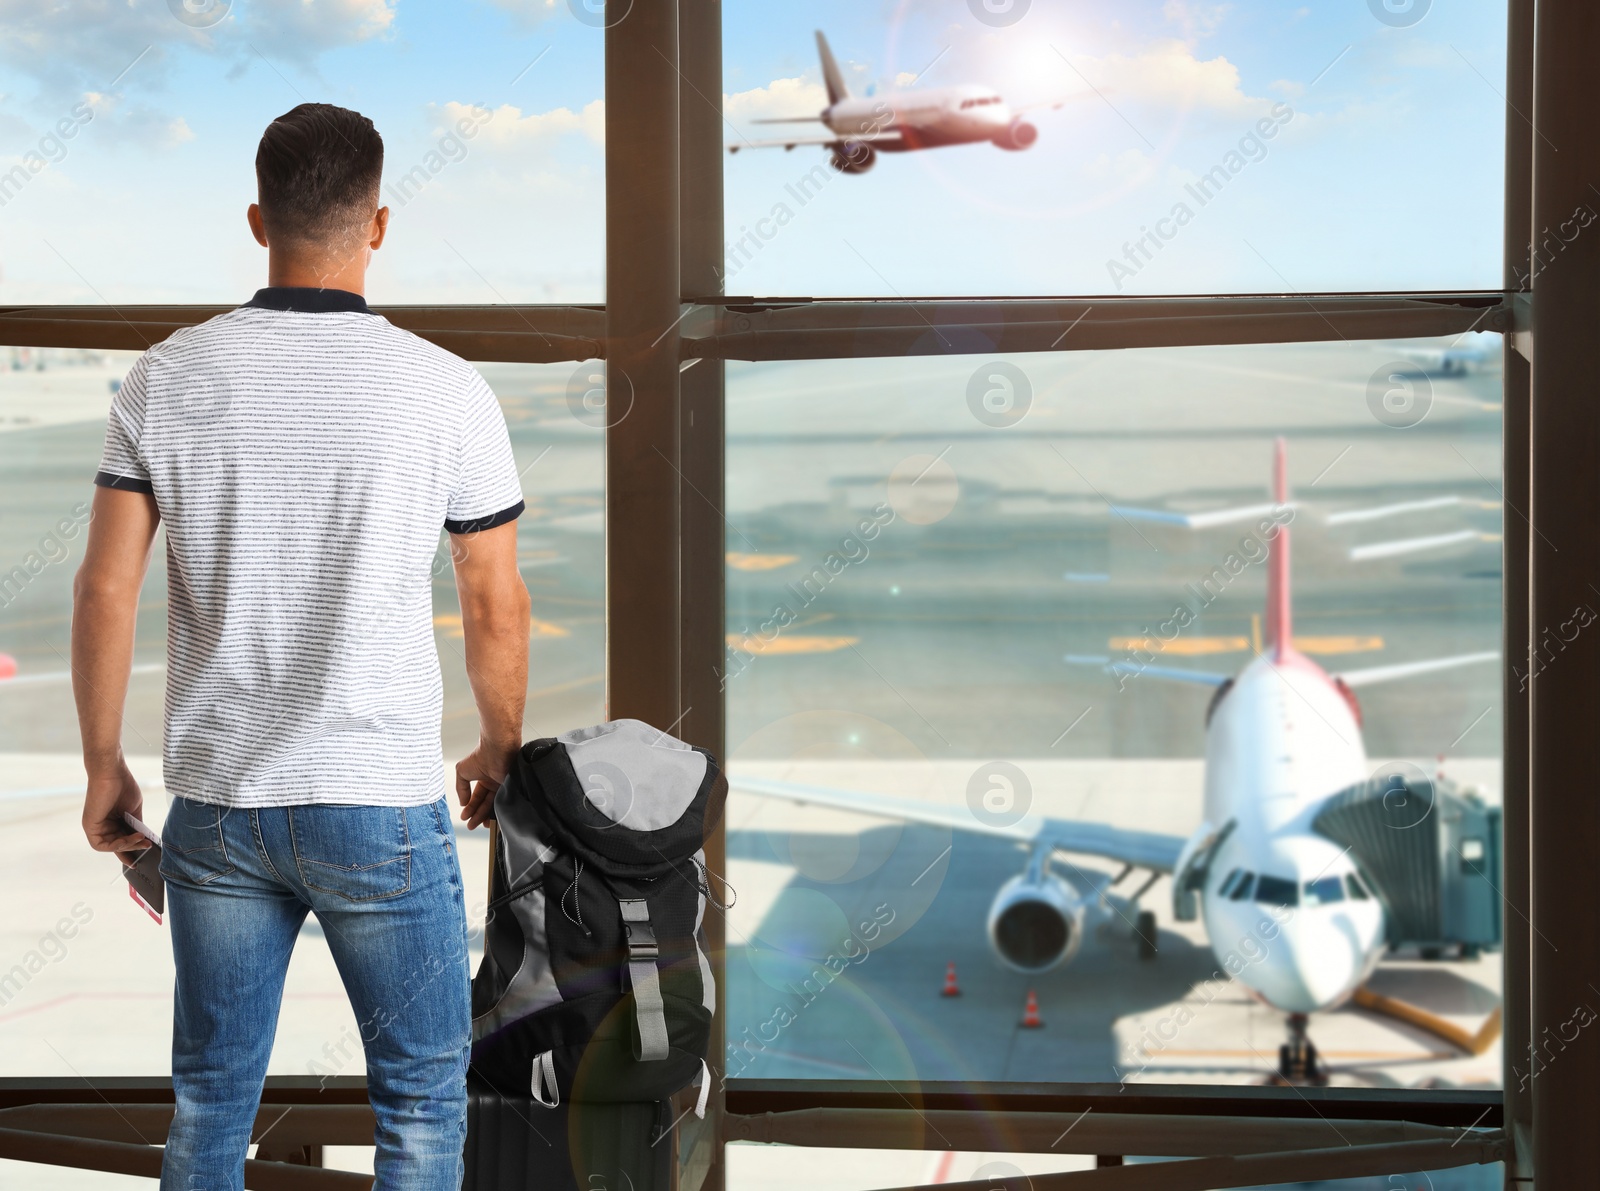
<point>308,300</point>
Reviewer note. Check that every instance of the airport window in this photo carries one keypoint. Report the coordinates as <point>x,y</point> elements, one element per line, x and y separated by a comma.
<point>99,1001</point>
<point>967,591</point>
<point>491,121</point>
<point>1163,152</point>
<point>977,609</point>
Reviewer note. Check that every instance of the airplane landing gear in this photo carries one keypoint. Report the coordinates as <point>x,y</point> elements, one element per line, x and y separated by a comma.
<point>1145,934</point>
<point>1298,1061</point>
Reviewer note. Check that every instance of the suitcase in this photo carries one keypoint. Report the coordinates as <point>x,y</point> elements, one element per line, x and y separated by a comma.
<point>517,1144</point>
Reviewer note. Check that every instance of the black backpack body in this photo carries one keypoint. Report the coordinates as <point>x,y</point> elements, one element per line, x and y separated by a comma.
<point>595,983</point>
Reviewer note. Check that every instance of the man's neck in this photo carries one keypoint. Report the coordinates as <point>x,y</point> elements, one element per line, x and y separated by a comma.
<point>350,276</point>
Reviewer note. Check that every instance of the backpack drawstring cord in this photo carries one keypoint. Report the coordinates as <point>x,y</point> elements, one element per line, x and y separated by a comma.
<point>705,886</point>
<point>576,905</point>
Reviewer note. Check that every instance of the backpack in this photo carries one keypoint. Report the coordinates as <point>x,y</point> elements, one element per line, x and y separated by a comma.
<point>595,983</point>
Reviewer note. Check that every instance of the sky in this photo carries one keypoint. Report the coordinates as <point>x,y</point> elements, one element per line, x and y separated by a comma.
<point>1383,171</point>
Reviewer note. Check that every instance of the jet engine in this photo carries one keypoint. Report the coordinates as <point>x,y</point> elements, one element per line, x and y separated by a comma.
<point>1019,134</point>
<point>853,157</point>
<point>1036,922</point>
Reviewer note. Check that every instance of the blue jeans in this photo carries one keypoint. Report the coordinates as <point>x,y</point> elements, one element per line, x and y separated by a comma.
<point>386,887</point>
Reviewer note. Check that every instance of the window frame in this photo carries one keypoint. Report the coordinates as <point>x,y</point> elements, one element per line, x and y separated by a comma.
<point>667,326</point>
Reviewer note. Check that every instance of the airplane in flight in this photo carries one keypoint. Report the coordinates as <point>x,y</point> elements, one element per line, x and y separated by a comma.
<point>1283,749</point>
<point>859,128</point>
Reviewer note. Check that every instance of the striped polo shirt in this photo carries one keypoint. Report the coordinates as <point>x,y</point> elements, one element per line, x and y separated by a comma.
<point>304,454</point>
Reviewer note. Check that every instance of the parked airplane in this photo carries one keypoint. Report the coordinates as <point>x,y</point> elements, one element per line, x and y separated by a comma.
<point>1473,352</point>
<point>860,128</point>
<point>1289,912</point>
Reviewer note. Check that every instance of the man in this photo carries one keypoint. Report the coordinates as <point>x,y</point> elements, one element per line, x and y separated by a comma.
<point>304,454</point>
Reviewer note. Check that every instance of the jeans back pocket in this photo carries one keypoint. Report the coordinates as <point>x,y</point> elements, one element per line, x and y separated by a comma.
<point>359,853</point>
<point>192,844</point>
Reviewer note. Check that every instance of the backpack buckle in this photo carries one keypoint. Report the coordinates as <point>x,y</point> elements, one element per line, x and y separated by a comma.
<point>641,938</point>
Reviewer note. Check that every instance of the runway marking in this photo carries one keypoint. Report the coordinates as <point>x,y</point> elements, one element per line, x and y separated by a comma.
<point>759,562</point>
<point>790,643</point>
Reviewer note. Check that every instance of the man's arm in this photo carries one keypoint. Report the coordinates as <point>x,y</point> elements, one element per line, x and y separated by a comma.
<point>105,606</point>
<point>494,620</point>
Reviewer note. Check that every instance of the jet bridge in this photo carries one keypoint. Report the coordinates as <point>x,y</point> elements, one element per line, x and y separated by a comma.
<point>1431,852</point>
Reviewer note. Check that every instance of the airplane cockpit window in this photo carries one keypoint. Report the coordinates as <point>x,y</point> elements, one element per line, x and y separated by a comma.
<point>1358,891</point>
<point>1241,891</point>
<point>1324,891</point>
<point>1227,883</point>
<point>1276,891</point>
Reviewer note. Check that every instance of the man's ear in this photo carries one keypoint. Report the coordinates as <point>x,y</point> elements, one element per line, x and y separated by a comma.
<point>380,228</point>
<point>258,229</point>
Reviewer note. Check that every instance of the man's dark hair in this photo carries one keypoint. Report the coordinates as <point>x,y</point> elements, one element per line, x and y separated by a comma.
<point>317,172</point>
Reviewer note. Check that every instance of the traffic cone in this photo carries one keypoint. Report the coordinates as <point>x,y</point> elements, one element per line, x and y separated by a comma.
<point>951,988</point>
<point>1030,1013</point>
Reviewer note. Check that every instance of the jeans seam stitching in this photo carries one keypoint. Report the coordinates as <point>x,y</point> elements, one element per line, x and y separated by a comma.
<point>261,844</point>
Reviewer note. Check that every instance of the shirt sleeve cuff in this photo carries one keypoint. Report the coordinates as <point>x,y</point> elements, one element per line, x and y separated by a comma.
<point>479,524</point>
<point>106,479</point>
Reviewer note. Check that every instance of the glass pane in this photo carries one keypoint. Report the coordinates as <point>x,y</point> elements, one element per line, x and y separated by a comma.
<point>793,1168</point>
<point>86,982</point>
<point>1151,147</point>
<point>1019,672</point>
<point>128,142</point>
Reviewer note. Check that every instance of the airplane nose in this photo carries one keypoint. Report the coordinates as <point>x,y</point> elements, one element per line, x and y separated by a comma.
<point>1312,964</point>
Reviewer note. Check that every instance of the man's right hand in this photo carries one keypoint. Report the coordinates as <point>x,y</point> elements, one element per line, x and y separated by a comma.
<point>109,795</point>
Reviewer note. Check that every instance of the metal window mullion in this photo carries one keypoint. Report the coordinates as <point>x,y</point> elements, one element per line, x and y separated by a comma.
<point>1515,877</point>
<point>1563,1072</point>
<point>642,356</point>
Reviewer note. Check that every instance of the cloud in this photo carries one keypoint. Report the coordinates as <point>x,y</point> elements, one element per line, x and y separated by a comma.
<point>508,127</point>
<point>89,44</point>
<point>781,97</point>
<point>1169,75</point>
<point>1195,19</point>
<point>299,31</point>
<point>530,11</point>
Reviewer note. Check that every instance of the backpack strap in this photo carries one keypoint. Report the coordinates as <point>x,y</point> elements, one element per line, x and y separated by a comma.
<point>545,1089</point>
<point>642,952</point>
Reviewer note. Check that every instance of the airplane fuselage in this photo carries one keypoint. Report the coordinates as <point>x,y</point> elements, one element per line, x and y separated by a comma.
<point>1284,908</point>
<point>924,119</point>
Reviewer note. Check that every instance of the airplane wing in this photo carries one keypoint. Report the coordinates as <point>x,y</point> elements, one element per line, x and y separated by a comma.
<point>885,137</point>
<point>1436,541</point>
<point>1205,520</point>
<point>66,675</point>
<point>1381,512</point>
<point>1376,674</point>
<point>1170,673</point>
<point>1144,849</point>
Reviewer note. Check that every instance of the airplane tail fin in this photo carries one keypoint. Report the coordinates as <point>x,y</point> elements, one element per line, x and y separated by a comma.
<point>1280,628</point>
<point>830,72</point>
